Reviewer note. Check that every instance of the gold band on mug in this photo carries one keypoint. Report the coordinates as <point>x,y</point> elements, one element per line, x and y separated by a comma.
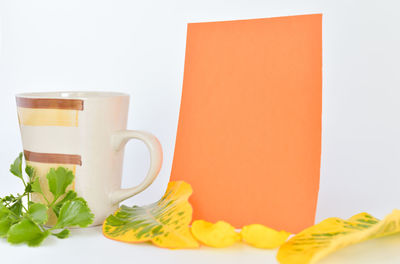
<point>43,103</point>
<point>53,158</point>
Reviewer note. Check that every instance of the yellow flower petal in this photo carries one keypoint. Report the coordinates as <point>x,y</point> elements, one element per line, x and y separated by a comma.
<point>263,237</point>
<point>220,234</point>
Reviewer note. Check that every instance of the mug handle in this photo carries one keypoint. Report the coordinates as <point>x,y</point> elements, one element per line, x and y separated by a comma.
<point>118,141</point>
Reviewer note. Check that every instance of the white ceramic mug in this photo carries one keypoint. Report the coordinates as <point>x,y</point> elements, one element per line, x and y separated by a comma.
<point>86,133</point>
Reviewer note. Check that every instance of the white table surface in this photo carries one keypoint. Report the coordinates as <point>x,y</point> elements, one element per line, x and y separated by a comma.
<point>89,246</point>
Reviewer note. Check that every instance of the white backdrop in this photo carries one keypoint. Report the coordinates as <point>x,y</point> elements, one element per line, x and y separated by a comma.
<point>138,47</point>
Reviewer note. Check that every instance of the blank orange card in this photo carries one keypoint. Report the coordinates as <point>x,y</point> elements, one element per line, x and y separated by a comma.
<point>249,132</point>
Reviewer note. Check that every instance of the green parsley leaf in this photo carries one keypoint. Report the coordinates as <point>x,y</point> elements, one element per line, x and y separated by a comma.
<point>69,196</point>
<point>20,224</point>
<point>59,180</point>
<point>63,234</point>
<point>9,198</point>
<point>74,213</point>
<point>30,171</point>
<point>5,222</point>
<point>16,208</point>
<point>28,188</point>
<point>4,226</point>
<point>16,167</point>
<point>36,186</point>
<point>38,213</point>
<point>28,232</point>
<point>4,212</point>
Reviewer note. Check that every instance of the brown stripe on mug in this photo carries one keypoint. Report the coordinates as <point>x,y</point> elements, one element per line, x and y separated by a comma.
<point>47,103</point>
<point>52,158</point>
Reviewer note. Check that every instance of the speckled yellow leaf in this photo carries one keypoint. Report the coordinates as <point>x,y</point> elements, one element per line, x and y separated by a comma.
<point>221,234</point>
<point>165,223</point>
<point>263,237</point>
<point>314,243</point>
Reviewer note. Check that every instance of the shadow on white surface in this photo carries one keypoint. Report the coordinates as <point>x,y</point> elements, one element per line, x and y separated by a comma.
<point>89,246</point>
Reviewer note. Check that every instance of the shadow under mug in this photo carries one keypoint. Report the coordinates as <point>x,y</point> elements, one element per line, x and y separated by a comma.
<point>86,133</point>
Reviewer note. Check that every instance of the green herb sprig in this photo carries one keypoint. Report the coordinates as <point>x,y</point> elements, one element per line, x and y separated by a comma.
<point>22,221</point>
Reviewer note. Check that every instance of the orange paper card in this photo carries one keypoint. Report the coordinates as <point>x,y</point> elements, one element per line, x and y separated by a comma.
<point>249,133</point>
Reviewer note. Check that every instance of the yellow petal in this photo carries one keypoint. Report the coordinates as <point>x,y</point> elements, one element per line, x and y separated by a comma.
<point>165,223</point>
<point>316,242</point>
<point>221,234</point>
<point>263,237</point>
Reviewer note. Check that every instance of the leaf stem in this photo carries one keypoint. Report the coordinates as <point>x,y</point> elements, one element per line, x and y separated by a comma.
<point>53,202</point>
<point>47,201</point>
<point>42,228</point>
<point>26,210</point>
<point>23,181</point>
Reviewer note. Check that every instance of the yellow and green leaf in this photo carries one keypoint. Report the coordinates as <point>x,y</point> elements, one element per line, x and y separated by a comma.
<point>164,223</point>
<point>316,242</point>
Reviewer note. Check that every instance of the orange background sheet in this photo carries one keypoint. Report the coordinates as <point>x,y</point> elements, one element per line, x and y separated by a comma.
<point>249,132</point>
